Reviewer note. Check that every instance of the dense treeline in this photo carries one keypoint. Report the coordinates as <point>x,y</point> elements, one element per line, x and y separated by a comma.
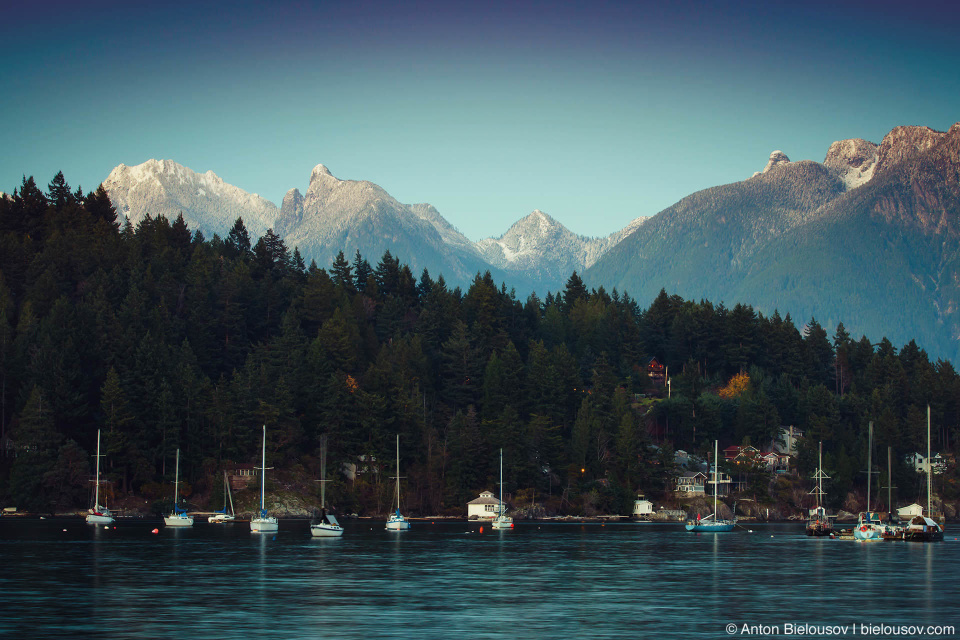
<point>164,340</point>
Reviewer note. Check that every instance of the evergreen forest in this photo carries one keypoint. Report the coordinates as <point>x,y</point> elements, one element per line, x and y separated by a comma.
<point>165,340</point>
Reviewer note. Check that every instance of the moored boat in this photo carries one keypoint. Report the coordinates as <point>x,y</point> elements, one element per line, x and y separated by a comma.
<point>711,523</point>
<point>263,523</point>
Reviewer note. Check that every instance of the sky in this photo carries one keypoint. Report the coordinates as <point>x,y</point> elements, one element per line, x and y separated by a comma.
<point>594,112</point>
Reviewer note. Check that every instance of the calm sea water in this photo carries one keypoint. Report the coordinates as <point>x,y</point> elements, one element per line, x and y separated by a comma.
<point>447,580</point>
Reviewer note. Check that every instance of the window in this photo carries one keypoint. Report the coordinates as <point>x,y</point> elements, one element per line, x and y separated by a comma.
<point>489,507</point>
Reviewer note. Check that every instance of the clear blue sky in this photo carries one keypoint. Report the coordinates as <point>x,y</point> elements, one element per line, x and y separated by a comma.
<point>595,112</point>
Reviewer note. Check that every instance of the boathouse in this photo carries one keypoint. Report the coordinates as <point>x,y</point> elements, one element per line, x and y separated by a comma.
<point>486,507</point>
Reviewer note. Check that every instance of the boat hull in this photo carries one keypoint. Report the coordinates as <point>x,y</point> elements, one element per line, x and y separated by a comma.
<point>99,518</point>
<point>397,524</point>
<point>220,518</point>
<point>505,523</point>
<point>326,531</point>
<point>178,521</point>
<point>264,525</point>
<point>711,527</point>
<point>867,533</point>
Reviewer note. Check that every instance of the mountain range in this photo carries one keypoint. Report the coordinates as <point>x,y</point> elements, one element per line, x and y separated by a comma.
<point>869,237</point>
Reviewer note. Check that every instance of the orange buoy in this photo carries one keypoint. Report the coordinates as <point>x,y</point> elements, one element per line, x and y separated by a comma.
<point>155,531</point>
<point>481,529</point>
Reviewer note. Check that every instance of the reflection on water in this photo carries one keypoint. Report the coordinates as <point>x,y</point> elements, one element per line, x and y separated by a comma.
<point>448,580</point>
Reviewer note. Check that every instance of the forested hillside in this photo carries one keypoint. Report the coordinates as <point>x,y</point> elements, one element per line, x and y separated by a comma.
<point>164,339</point>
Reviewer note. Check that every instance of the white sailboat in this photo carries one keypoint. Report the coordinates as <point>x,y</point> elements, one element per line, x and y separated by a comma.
<point>711,522</point>
<point>221,517</point>
<point>327,526</point>
<point>869,524</point>
<point>178,517</point>
<point>98,514</point>
<point>263,523</point>
<point>502,521</point>
<point>396,521</point>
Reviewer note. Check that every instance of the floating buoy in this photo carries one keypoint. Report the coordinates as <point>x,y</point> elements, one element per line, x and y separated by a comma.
<point>66,531</point>
<point>155,531</point>
<point>481,529</point>
<point>106,527</point>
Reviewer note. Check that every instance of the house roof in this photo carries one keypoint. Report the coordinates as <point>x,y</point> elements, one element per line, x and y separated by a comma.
<point>485,498</point>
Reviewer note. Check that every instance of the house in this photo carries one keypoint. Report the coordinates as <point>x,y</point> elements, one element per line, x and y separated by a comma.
<point>656,371</point>
<point>486,507</point>
<point>690,484</point>
<point>681,458</point>
<point>775,462</point>
<point>642,508</point>
<point>723,484</point>
<point>920,465</point>
<point>242,475</point>
<point>743,455</point>
<point>910,511</point>
<point>787,442</point>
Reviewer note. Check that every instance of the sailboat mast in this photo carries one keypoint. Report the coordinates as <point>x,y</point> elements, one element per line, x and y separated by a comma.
<point>501,482</point>
<point>929,466</point>
<point>323,471</point>
<point>96,490</point>
<point>819,474</point>
<point>263,470</point>
<point>398,472</point>
<point>869,462</point>
<point>715,480</point>
<point>176,482</point>
<point>226,482</point>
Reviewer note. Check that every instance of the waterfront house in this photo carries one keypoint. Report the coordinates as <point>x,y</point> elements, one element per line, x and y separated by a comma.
<point>909,512</point>
<point>690,484</point>
<point>486,507</point>
<point>743,455</point>
<point>642,508</point>
<point>775,462</point>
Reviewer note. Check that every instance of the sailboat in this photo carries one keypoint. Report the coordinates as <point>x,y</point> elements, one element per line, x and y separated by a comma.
<point>98,514</point>
<point>711,522</point>
<point>327,527</point>
<point>222,516</point>
<point>178,517</point>
<point>502,521</point>
<point>924,528</point>
<point>819,523</point>
<point>263,523</point>
<point>869,524</point>
<point>396,521</point>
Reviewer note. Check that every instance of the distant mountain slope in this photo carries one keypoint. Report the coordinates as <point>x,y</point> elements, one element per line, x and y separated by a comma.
<point>869,238</point>
<point>163,187</point>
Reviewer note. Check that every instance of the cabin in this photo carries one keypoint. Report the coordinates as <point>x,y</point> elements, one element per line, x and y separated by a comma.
<point>656,371</point>
<point>642,508</point>
<point>242,475</point>
<point>775,462</point>
<point>690,484</point>
<point>920,463</point>
<point>681,458</point>
<point>743,455</point>
<point>486,507</point>
<point>909,512</point>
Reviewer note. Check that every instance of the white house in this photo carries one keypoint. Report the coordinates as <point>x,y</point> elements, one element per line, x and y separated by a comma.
<point>642,507</point>
<point>910,511</point>
<point>486,507</point>
<point>920,463</point>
